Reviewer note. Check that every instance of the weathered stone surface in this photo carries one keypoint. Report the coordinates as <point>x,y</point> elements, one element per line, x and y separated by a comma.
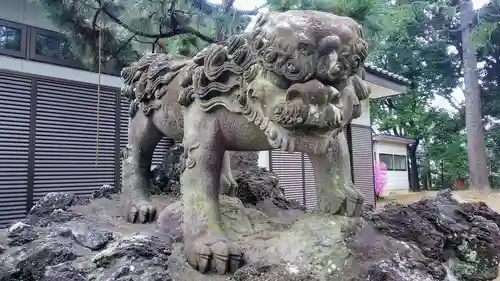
<point>21,233</point>
<point>165,177</point>
<point>90,238</point>
<point>31,263</point>
<point>376,257</point>
<point>243,160</point>
<point>385,245</point>
<point>134,247</point>
<point>53,201</point>
<point>256,185</point>
<point>63,272</point>
<point>445,229</point>
<point>105,192</point>
<point>54,208</point>
<point>272,273</point>
<point>60,216</point>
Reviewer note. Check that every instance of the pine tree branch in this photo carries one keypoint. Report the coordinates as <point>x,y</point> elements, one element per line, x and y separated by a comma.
<point>94,18</point>
<point>122,46</point>
<point>174,32</point>
<point>210,9</point>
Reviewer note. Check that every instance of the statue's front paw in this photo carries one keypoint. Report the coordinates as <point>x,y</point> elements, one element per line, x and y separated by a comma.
<point>354,201</point>
<point>214,252</point>
<point>347,201</point>
<point>139,211</point>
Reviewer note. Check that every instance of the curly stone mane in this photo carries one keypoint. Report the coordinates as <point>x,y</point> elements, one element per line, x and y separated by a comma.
<point>210,77</point>
<point>220,74</point>
<point>216,72</point>
<point>148,80</point>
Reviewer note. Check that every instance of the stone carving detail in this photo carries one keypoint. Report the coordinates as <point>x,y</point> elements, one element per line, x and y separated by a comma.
<point>292,81</point>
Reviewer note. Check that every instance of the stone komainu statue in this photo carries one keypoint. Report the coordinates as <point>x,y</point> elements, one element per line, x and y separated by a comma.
<point>292,81</point>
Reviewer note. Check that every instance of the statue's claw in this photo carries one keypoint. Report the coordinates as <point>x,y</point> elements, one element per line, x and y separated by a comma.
<point>215,253</point>
<point>354,201</point>
<point>346,201</point>
<point>139,211</point>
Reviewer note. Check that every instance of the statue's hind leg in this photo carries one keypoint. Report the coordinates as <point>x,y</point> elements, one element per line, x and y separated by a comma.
<point>143,136</point>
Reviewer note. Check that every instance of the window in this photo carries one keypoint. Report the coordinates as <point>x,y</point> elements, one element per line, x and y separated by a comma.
<point>12,39</point>
<point>33,43</point>
<point>394,162</point>
<point>51,47</point>
<point>388,159</point>
<point>399,163</point>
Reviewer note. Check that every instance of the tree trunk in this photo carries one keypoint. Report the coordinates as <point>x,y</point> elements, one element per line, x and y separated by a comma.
<point>426,175</point>
<point>476,150</point>
<point>414,182</point>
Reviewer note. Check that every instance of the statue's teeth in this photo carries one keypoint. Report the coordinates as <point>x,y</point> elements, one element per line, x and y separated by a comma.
<point>264,124</point>
<point>258,121</point>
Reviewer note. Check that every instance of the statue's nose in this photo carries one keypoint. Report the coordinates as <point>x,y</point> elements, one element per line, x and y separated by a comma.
<point>311,92</point>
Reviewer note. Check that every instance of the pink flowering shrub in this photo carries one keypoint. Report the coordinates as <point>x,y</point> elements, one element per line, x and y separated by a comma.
<point>380,174</point>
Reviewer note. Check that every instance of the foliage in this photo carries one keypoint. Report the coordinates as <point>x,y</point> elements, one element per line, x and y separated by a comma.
<point>427,58</point>
<point>380,177</point>
<point>493,149</point>
<point>131,28</point>
<point>488,22</point>
<point>446,148</point>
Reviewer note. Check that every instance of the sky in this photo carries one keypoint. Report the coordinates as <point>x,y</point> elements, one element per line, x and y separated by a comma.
<point>438,101</point>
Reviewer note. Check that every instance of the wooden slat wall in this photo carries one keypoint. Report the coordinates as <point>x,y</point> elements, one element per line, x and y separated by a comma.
<point>362,161</point>
<point>310,184</point>
<point>15,97</point>
<point>70,154</point>
<point>288,167</point>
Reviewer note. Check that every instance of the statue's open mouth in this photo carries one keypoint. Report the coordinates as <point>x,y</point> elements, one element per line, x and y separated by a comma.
<point>296,115</point>
<point>309,106</point>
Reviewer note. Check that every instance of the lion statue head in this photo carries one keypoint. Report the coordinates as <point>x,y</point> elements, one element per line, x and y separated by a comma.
<point>293,73</point>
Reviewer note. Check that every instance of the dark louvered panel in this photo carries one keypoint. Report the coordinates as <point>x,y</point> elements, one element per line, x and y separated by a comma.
<point>362,161</point>
<point>288,168</point>
<point>124,118</point>
<point>160,150</point>
<point>124,122</point>
<point>14,146</point>
<point>68,155</point>
<point>311,197</point>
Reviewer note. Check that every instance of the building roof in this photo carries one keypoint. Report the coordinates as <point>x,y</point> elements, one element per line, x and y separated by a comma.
<point>387,74</point>
<point>393,139</point>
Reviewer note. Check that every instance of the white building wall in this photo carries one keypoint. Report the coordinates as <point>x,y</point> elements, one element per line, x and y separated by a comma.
<point>364,119</point>
<point>56,71</point>
<point>263,161</point>
<point>396,180</point>
<point>26,12</point>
